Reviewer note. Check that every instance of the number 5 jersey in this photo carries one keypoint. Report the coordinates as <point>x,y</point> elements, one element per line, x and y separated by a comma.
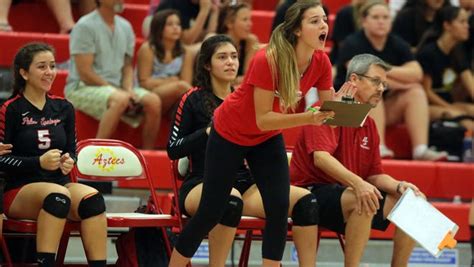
<point>32,132</point>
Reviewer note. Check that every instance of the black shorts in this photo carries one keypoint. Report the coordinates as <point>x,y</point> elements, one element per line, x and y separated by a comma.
<point>241,184</point>
<point>330,210</point>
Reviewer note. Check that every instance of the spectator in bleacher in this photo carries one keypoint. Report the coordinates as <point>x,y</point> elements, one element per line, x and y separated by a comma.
<point>281,11</point>
<point>236,21</point>
<point>342,168</point>
<point>247,126</point>
<point>198,17</point>
<point>415,18</point>
<point>60,8</point>
<point>405,101</point>
<point>163,66</point>
<point>41,128</point>
<point>100,81</point>
<point>445,66</point>
<point>347,22</point>
<point>216,70</point>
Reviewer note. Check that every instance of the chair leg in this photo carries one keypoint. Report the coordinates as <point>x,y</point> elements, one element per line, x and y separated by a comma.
<point>245,253</point>
<point>6,253</point>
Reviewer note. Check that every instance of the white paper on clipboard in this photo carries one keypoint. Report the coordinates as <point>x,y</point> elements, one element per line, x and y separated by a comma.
<point>422,222</point>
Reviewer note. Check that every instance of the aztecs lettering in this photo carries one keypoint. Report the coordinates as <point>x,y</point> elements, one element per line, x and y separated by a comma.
<point>106,159</point>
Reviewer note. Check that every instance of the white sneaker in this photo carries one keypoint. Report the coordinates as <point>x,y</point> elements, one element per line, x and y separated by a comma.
<point>386,153</point>
<point>432,155</point>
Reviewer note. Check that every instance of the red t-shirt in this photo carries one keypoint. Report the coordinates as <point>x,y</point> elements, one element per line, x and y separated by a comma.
<point>356,148</point>
<point>235,118</point>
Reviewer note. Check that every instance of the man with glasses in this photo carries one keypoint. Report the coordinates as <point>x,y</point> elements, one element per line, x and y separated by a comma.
<point>342,168</point>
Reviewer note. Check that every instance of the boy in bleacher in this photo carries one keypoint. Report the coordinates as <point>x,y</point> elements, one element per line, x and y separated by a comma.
<point>100,81</point>
<point>342,168</point>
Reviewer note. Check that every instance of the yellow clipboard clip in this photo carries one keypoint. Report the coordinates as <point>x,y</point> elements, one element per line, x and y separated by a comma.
<point>448,241</point>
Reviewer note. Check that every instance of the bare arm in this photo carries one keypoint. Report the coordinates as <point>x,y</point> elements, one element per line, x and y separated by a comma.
<point>86,72</point>
<point>390,185</point>
<point>190,35</point>
<point>127,74</point>
<point>409,72</point>
<point>187,68</point>
<point>145,68</point>
<point>433,98</point>
<point>268,120</point>
<point>367,194</point>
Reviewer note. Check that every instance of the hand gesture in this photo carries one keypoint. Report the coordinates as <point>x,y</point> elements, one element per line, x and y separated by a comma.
<point>50,160</point>
<point>347,89</point>
<point>319,117</point>
<point>367,197</point>
<point>5,148</point>
<point>66,163</point>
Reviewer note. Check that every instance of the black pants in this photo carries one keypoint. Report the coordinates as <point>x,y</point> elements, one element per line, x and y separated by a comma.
<point>268,164</point>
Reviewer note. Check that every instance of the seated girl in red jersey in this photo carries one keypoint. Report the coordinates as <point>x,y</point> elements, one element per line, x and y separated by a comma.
<point>41,128</point>
<point>216,69</point>
<point>247,125</point>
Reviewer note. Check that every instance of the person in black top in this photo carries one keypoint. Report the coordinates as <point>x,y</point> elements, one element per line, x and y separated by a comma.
<point>41,128</point>
<point>4,149</point>
<point>215,70</point>
<point>203,12</point>
<point>235,21</point>
<point>442,57</point>
<point>347,22</point>
<point>414,19</point>
<point>406,100</point>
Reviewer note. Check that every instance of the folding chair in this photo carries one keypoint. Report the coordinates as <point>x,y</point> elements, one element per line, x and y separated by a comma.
<point>113,160</point>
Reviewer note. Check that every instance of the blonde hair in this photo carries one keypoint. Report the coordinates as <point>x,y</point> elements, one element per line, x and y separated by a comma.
<point>280,52</point>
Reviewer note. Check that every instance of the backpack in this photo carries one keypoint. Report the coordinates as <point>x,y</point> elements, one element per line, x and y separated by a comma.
<point>448,136</point>
<point>143,246</point>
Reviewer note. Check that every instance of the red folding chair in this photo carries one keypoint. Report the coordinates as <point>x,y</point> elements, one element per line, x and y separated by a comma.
<point>114,160</point>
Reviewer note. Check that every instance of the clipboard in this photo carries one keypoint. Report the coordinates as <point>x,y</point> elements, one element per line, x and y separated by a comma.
<point>424,223</point>
<point>346,114</point>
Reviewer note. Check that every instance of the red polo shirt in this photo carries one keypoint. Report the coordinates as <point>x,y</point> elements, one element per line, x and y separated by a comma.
<point>235,118</point>
<point>356,148</point>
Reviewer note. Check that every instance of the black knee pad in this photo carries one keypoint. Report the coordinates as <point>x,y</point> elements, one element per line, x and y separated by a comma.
<point>233,212</point>
<point>57,204</point>
<point>306,211</point>
<point>91,206</point>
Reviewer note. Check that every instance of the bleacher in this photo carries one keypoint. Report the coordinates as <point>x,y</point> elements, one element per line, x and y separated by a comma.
<point>440,181</point>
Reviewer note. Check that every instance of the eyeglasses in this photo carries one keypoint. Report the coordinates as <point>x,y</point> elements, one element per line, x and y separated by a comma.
<point>375,81</point>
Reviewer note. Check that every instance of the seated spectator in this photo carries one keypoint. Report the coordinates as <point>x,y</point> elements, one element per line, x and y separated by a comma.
<point>443,59</point>
<point>347,22</point>
<point>100,81</point>
<point>216,70</point>
<point>41,128</point>
<point>163,67</point>
<point>236,22</point>
<point>415,18</point>
<point>198,17</point>
<point>405,101</point>
<point>342,168</point>
<point>60,8</point>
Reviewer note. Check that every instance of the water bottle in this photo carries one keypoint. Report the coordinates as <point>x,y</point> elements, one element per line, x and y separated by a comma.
<point>467,147</point>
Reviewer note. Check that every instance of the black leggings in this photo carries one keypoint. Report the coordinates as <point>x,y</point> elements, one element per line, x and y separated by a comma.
<point>268,164</point>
